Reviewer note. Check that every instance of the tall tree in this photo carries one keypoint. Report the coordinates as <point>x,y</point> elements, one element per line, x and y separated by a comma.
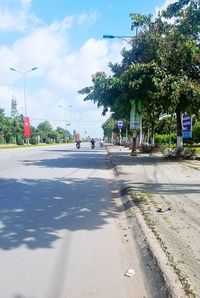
<point>162,68</point>
<point>13,107</point>
<point>44,129</point>
<point>108,127</point>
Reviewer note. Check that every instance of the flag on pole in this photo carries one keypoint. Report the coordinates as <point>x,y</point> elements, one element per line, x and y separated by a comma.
<point>27,130</point>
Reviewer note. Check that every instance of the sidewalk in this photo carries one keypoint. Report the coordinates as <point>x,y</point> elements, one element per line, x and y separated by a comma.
<point>166,193</point>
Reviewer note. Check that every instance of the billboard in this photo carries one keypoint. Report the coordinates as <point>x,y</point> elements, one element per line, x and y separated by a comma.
<point>27,129</point>
<point>135,117</point>
<point>186,126</point>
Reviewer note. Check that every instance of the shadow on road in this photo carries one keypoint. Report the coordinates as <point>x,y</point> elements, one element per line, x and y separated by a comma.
<point>82,160</point>
<point>36,210</point>
<point>163,188</point>
<point>144,159</point>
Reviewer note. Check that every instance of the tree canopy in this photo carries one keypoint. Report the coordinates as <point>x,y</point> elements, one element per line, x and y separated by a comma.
<point>162,68</point>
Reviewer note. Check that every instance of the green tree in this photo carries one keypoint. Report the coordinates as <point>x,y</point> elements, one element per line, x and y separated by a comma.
<point>108,127</point>
<point>44,130</point>
<point>180,52</point>
<point>13,107</point>
<point>140,21</point>
<point>2,125</point>
<point>186,14</point>
<point>63,134</point>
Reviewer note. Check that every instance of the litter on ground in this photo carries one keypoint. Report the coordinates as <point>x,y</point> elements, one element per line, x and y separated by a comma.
<point>130,272</point>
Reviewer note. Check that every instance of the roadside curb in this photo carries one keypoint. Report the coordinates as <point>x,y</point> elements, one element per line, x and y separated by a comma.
<point>172,281</point>
<point>112,162</point>
<point>173,284</point>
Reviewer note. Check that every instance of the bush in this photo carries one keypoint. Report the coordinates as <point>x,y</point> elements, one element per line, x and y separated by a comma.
<point>33,141</point>
<point>1,140</point>
<point>49,141</point>
<point>9,139</point>
<point>196,133</point>
<point>180,153</point>
<point>145,148</point>
<point>19,140</point>
<point>165,139</point>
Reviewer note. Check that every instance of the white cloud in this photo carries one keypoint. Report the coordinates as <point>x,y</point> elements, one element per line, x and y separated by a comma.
<point>15,16</point>
<point>61,71</point>
<point>87,18</point>
<point>25,3</point>
<point>82,19</point>
<point>164,6</point>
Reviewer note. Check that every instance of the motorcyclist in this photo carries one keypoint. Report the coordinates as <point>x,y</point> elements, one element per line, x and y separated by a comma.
<point>78,143</point>
<point>92,143</point>
<point>101,143</point>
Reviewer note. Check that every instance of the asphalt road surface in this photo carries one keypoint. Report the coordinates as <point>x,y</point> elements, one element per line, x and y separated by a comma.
<point>61,233</point>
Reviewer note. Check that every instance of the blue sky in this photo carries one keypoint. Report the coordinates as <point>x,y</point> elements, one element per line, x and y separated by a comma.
<point>64,40</point>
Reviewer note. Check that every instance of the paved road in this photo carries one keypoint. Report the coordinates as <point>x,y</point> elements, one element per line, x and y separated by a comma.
<point>61,234</point>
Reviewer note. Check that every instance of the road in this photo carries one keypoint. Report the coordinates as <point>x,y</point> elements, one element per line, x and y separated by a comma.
<point>61,232</point>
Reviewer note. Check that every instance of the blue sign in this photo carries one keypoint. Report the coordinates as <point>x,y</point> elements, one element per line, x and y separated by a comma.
<point>187,135</point>
<point>186,126</point>
<point>120,124</point>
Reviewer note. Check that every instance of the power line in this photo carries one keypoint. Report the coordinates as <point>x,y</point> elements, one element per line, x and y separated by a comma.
<point>73,121</point>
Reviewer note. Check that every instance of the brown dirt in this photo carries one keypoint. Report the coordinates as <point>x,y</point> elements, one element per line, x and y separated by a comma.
<point>161,184</point>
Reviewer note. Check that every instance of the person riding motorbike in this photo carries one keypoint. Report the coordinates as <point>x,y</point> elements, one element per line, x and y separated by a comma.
<point>78,144</point>
<point>92,143</point>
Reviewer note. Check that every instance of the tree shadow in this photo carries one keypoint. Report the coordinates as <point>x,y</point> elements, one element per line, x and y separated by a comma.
<point>33,212</point>
<point>75,150</point>
<point>82,160</point>
<point>124,158</point>
<point>163,188</point>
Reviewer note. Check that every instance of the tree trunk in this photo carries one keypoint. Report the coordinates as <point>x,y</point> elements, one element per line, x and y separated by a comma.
<point>179,142</point>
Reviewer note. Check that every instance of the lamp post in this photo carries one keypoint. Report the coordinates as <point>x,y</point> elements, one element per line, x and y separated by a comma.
<point>26,119</point>
<point>128,39</point>
<point>23,73</point>
<point>65,109</point>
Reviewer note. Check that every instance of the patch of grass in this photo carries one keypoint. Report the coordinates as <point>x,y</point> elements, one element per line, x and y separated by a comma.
<point>139,197</point>
<point>29,146</point>
<point>11,146</point>
<point>198,150</point>
<point>183,279</point>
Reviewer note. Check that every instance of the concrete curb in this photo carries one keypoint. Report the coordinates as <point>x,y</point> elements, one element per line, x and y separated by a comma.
<point>172,281</point>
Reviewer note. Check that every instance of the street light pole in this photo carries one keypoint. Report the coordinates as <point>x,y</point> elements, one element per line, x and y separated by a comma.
<point>128,39</point>
<point>65,109</point>
<point>23,73</point>
<point>24,84</point>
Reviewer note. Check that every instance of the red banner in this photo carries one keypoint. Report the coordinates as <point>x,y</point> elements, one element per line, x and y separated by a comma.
<point>27,129</point>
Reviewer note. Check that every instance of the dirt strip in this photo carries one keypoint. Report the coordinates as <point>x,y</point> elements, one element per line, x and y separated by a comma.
<point>167,195</point>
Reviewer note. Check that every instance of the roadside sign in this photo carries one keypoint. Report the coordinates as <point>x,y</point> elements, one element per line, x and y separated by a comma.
<point>135,124</point>
<point>135,117</point>
<point>27,129</point>
<point>120,124</point>
<point>187,135</point>
<point>186,126</point>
